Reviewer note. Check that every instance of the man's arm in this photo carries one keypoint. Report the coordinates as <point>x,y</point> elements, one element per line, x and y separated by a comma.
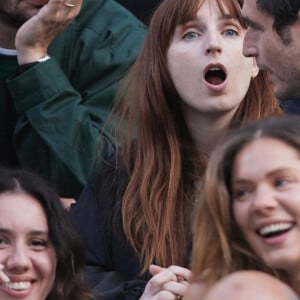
<point>62,104</point>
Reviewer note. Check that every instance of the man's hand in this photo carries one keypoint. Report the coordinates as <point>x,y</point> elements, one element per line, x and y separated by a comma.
<point>34,36</point>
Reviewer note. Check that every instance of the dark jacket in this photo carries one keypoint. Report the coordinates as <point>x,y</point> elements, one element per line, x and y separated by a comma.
<point>112,265</point>
<point>52,116</point>
<point>142,9</point>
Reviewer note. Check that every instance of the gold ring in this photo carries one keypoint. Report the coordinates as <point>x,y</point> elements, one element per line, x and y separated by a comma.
<point>69,4</point>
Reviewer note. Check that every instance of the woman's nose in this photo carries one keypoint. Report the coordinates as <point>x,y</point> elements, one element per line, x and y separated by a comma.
<point>18,259</point>
<point>213,44</point>
<point>264,200</point>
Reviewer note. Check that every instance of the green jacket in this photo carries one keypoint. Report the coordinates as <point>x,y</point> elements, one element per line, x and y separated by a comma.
<point>52,116</point>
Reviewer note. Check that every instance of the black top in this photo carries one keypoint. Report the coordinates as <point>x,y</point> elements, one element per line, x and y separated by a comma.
<point>112,265</point>
<point>142,9</point>
<point>291,106</point>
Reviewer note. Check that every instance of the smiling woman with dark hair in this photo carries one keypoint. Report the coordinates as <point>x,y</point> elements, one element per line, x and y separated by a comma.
<point>41,257</point>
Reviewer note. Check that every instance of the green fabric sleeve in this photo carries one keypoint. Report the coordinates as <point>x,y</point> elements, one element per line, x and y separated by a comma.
<point>54,132</point>
<point>62,104</point>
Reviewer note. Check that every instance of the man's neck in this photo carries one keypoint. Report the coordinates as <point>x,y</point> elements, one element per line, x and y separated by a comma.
<point>7,35</point>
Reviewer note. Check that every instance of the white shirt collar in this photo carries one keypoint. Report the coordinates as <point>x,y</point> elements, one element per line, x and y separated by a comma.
<point>9,52</point>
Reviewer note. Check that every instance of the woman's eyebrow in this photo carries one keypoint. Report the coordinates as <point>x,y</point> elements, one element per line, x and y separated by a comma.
<point>32,232</point>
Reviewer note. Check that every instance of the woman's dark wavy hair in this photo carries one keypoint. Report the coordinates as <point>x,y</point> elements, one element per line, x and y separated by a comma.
<point>214,225</point>
<point>284,12</point>
<point>68,283</point>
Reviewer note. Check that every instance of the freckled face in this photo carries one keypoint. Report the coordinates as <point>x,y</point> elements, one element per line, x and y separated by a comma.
<point>206,63</point>
<point>266,201</point>
<point>26,252</point>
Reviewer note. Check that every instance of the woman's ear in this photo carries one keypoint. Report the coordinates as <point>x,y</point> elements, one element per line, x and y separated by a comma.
<point>255,68</point>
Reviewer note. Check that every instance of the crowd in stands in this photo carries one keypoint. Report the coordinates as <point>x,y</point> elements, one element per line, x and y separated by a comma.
<point>149,149</point>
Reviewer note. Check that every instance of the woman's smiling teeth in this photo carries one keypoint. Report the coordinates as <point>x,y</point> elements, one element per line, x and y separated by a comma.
<point>21,285</point>
<point>274,229</point>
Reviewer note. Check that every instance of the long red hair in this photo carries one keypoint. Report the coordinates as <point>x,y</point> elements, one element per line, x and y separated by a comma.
<point>163,162</point>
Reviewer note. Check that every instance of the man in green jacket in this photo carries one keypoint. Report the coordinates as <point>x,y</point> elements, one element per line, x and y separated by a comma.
<point>60,61</point>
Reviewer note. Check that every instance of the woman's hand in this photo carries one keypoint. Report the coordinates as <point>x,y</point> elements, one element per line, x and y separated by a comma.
<point>167,283</point>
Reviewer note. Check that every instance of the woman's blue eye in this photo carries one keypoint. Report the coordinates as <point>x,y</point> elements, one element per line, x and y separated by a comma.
<point>190,35</point>
<point>230,32</point>
<point>281,182</point>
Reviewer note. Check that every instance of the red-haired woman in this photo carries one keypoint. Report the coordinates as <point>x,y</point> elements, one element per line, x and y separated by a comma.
<point>188,87</point>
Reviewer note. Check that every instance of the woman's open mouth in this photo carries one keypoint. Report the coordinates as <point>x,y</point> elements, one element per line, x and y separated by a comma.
<point>215,76</point>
